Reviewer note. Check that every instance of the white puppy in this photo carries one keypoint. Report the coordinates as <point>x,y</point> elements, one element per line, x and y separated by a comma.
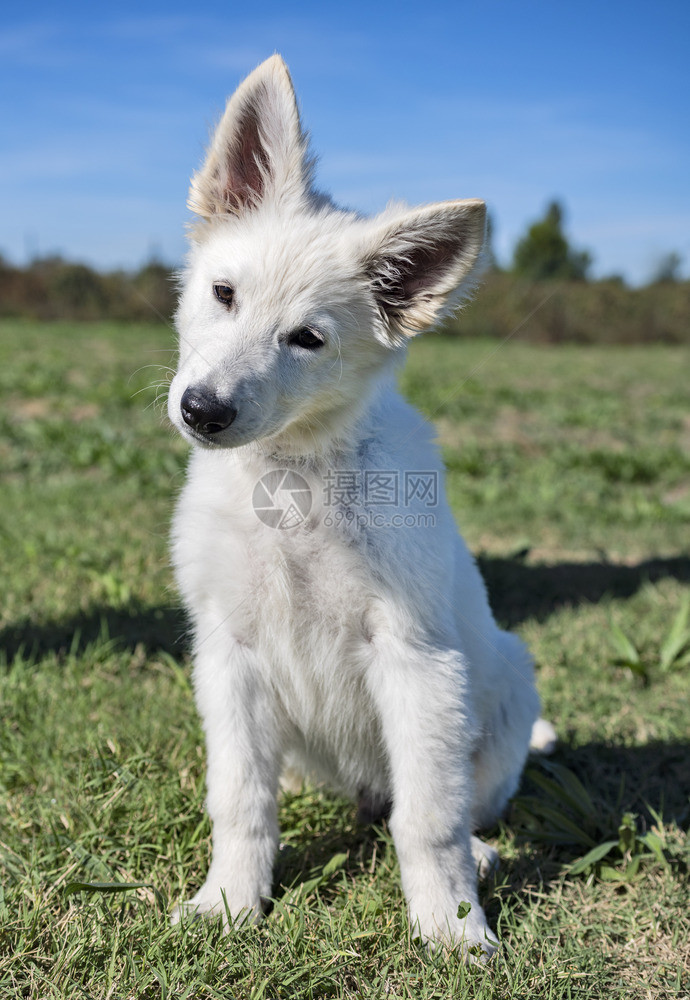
<point>341,628</point>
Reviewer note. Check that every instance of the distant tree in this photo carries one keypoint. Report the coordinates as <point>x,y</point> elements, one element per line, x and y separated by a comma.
<point>667,269</point>
<point>489,253</point>
<point>544,252</point>
<point>77,290</point>
<point>154,287</point>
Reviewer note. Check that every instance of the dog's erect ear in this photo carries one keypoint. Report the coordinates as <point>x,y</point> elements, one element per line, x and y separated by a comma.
<point>421,262</point>
<point>258,150</point>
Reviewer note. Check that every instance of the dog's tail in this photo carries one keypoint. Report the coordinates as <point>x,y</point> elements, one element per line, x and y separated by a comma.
<point>543,739</point>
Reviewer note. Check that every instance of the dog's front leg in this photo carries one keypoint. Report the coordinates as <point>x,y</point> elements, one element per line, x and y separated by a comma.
<point>427,729</point>
<point>242,778</point>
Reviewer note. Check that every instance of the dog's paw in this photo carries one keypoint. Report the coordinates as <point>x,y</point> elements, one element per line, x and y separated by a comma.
<point>486,858</point>
<point>211,902</point>
<point>465,932</point>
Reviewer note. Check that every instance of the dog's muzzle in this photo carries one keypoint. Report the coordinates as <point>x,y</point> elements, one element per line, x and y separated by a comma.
<point>205,413</point>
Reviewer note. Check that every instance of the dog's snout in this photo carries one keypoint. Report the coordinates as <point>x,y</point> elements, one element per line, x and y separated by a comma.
<point>204,412</point>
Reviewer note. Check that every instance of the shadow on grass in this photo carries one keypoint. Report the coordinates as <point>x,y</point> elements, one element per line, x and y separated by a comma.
<point>623,779</point>
<point>519,590</point>
<point>157,629</point>
<point>300,863</point>
<point>643,780</point>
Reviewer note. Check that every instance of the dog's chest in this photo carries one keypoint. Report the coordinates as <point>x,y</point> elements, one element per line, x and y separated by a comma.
<point>313,593</point>
<point>297,594</point>
<point>308,622</point>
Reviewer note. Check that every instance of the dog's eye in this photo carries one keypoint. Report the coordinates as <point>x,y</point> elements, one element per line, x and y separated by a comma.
<point>223,293</point>
<point>306,338</point>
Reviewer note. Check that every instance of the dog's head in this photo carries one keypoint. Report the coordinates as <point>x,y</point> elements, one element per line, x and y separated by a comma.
<point>291,308</point>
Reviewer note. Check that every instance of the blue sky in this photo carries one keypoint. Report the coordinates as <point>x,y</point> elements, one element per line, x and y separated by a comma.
<point>105,113</point>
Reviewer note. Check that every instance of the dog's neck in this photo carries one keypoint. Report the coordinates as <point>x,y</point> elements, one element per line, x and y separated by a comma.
<point>331,436</point>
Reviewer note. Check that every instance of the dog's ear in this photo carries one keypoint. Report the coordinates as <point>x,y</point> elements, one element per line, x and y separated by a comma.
<point>420,263</point>
<point>258,150</point>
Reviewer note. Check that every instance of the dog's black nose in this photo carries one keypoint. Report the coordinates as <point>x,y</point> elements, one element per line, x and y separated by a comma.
<point>205,413</point>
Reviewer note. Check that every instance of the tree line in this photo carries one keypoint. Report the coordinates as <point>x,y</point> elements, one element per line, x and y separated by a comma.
<point>546,294</point>
<point>55,288</point>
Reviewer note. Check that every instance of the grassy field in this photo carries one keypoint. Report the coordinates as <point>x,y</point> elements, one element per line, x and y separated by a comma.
<point>569,471</point>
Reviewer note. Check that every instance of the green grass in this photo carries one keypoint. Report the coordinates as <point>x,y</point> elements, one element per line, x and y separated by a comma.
<point>569,471</point>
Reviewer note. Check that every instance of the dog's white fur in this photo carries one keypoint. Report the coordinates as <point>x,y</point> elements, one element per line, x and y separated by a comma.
<point>357,654</point>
